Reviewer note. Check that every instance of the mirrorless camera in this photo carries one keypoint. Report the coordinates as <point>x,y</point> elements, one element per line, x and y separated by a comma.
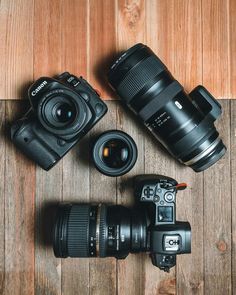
<point>87,230</point>
<point>62,111</point>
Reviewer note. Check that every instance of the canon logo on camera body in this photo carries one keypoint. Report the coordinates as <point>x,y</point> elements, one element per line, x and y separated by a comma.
<point>36,90</point>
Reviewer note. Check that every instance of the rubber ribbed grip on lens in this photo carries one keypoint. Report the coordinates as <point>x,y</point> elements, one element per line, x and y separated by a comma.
<point>78,231</point>
<point>138,76</point>
<point>103,231</point>
<point>160,100</point>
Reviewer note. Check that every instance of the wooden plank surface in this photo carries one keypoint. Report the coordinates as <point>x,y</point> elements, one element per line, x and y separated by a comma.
<point>216,47</point>
<point>128,280</point>
<point>101,46</point>
<point>233,189</point>
<point>36,36</point>
<point>75,272</point>
<point>49,187</point>
<point>19,179</point>
<point>28,197</point>
<point>16,47</point>
<point>217,217</point>
<point>102,272</point>
<point>47,38</point>
<point>2,197</point>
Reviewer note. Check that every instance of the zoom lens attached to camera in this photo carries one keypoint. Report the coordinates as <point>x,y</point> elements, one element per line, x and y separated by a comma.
<point>87,230</point>
<point>62,111</point>
<point>183,123</point>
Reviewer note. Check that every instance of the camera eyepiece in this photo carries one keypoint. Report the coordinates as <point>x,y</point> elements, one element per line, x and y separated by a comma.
<point>114,153</point>
<point>183,123</point>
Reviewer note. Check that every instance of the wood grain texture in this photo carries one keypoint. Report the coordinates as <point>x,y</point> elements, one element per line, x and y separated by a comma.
<point>28,198</point>
<point>76,188</point>
<point>102,46</point>
<point>46,37</point>
<point>157,161</point>
<point>49,187</point>
<point>217,217</point>
<point>216,47</point>
<point>2,196</point>
<point>130,271</point>
<point>75,272</point>
<point>74,16</point>
<point>19,179</point>
<point>48,51</point>
<point>233,188</point>
<point>178,44</point>
<point>232,23</point>
<point>102,272</point>
<point>190,268</point>
<point>16,47</point>
<point>131,27</point>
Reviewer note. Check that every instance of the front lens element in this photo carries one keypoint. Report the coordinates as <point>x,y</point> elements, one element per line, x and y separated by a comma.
<point>65,112</point>
<point>114,153</point>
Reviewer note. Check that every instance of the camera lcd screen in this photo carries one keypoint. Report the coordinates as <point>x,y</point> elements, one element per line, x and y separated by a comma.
<point>165,214</point>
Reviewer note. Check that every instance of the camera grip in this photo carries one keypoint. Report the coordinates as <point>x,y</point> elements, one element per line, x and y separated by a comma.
<point>24,137</point>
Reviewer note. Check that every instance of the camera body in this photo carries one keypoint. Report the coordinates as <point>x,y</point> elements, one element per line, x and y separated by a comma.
<point>62,111</point>
<point>102,230</point>
<point>168,237</point>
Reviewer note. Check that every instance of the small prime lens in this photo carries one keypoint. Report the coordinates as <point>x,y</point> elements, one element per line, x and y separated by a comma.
<point>86,230</point>
<point>114,153</point>
<point>183,123</point>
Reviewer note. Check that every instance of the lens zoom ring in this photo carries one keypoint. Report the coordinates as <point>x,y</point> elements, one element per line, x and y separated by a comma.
<point>138,76</point>
<point>78,231</point>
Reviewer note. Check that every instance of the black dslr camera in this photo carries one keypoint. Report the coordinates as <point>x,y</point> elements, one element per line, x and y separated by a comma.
<point>62,111</point>
<point>87,230</point>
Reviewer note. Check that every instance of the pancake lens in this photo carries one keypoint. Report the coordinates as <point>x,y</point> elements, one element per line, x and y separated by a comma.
<point>115,153</point>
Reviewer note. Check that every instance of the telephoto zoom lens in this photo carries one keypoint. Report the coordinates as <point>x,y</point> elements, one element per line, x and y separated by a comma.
<point>183,123</point>
<point>85,230</point>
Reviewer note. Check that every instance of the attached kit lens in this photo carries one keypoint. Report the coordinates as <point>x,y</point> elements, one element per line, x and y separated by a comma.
<point>183,123</point>
<point>114,153</point>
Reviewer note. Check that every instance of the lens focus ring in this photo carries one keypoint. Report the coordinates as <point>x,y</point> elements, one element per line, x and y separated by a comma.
<point>133,82</point>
